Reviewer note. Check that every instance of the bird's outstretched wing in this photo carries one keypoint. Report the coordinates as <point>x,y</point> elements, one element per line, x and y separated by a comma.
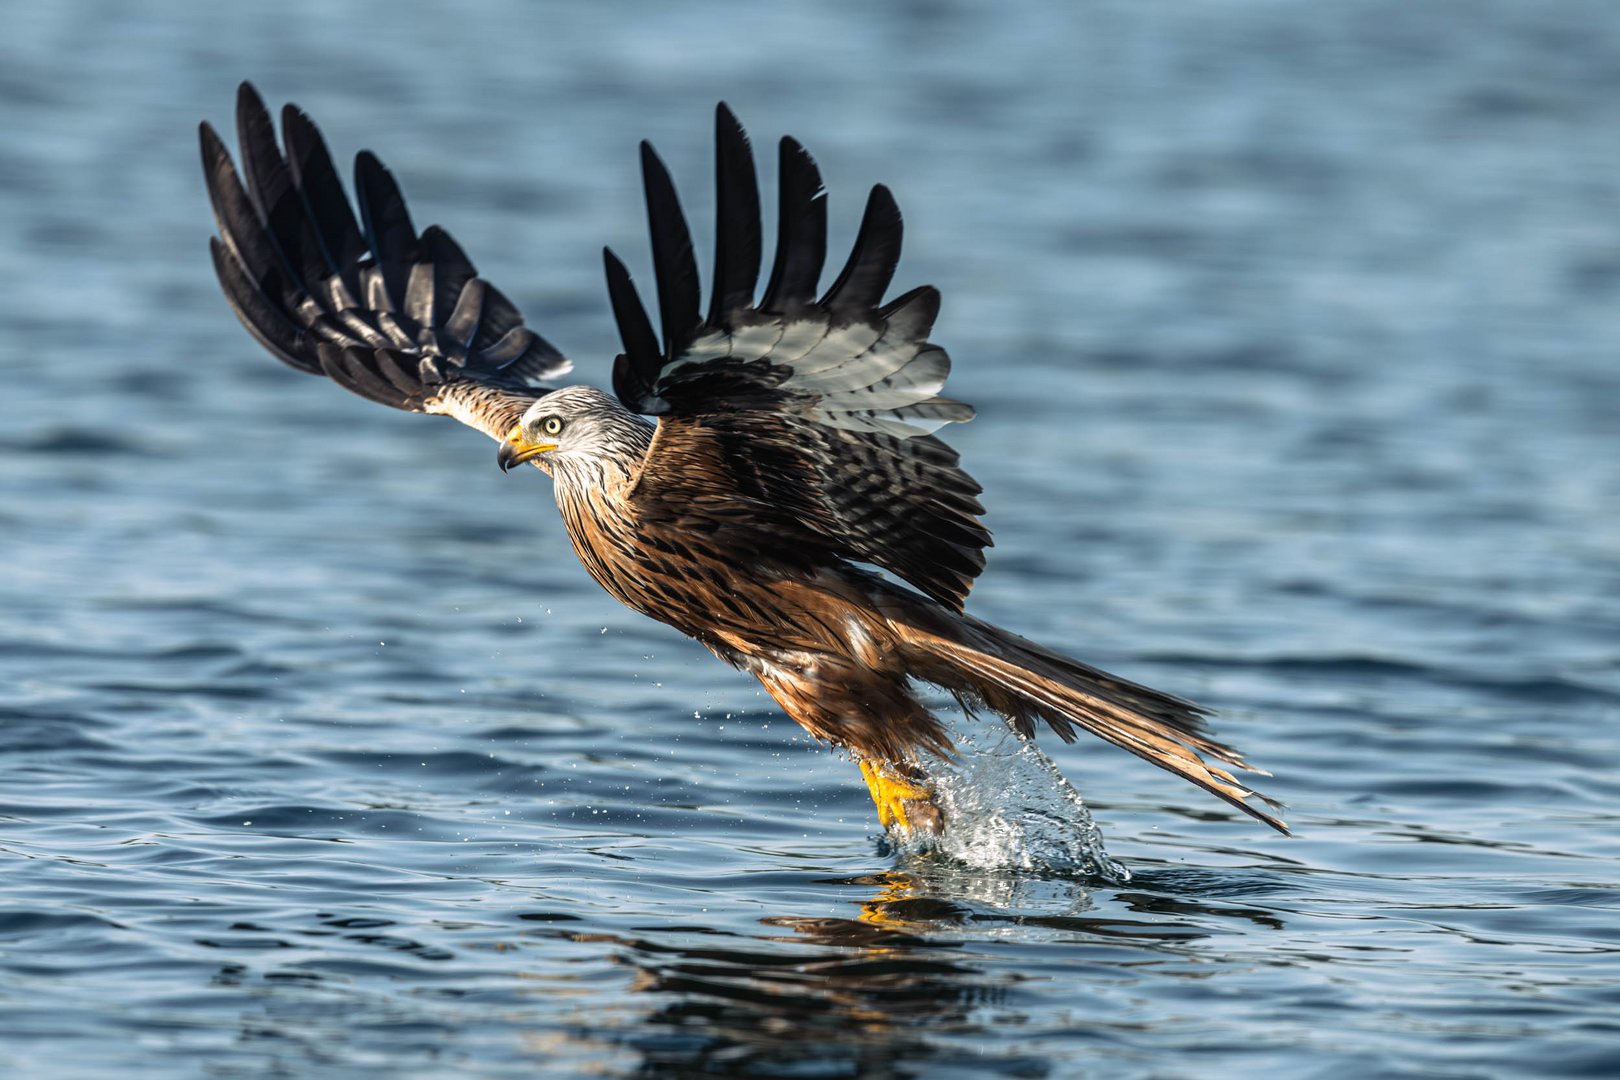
<point>399,318</point>
<point>816,414</point>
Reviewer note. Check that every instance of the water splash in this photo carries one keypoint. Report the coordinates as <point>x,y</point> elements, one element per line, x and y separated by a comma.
<point>1007,806</point>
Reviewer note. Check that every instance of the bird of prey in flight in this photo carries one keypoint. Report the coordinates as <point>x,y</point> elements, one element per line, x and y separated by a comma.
<point>792,451</point>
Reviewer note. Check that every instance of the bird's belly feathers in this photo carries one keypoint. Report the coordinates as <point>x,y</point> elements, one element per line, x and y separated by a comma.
<point>748,606</point>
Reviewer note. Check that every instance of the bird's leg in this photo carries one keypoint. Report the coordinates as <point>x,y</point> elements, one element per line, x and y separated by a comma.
<point>903,797</point>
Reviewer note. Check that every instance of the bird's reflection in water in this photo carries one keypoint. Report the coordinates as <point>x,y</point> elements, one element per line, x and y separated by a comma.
<point>906,987</point>
<point>931,895</point>
<point>848,997</point>
<point>938,970</point>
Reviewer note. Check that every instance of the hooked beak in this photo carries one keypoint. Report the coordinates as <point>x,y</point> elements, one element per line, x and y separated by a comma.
<point>515,451</point>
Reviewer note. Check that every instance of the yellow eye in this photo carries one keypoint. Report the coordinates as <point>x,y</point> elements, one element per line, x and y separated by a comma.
<point>551,425</point>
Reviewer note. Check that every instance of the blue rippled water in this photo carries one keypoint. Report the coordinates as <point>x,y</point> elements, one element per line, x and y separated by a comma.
<point>1295,334</point>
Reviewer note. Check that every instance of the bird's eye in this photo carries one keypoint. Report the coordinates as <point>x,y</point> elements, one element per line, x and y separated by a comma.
<point>552,425</point>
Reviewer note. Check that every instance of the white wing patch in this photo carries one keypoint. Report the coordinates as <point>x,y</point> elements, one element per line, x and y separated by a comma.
<point>918,380</point>
<point>798,340</point>
<point>758,339</point>
<point>838,346</point>
<point>869,375</point>
<point>878,375</point>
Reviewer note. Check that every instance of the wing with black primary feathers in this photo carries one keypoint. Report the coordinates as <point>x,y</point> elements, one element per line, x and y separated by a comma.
<point>817,414</point>
<point>400,318</point>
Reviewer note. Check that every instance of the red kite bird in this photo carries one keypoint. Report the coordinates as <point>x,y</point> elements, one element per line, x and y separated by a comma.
<point>793,442</point>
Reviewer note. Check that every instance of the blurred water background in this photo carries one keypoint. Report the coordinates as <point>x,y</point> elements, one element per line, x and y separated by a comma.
<point>1295,334</point>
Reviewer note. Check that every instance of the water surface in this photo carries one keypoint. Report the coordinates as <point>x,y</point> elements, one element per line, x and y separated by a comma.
<point>1295,334</point>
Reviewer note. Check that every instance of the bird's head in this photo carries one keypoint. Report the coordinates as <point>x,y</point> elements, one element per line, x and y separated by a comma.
<point>577,429</point>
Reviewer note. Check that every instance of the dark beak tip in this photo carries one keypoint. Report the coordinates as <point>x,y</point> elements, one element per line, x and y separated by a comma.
<point>513,454</point>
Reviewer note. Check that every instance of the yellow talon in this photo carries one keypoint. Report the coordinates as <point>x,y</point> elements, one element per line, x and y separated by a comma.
<point>900,800</point>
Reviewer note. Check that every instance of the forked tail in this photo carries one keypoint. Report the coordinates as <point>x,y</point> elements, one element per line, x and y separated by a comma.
<point>985,665</point>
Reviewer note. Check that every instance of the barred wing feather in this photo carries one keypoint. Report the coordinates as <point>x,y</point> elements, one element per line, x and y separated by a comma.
<point>397,317</point>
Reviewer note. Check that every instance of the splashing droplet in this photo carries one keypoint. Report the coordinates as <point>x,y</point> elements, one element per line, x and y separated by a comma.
<point>1007,806</point>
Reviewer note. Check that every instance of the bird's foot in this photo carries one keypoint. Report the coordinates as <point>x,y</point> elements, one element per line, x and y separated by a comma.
<point>903,797</point>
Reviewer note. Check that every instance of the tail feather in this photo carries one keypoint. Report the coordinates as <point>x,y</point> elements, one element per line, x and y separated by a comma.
<point>1023,681</point>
